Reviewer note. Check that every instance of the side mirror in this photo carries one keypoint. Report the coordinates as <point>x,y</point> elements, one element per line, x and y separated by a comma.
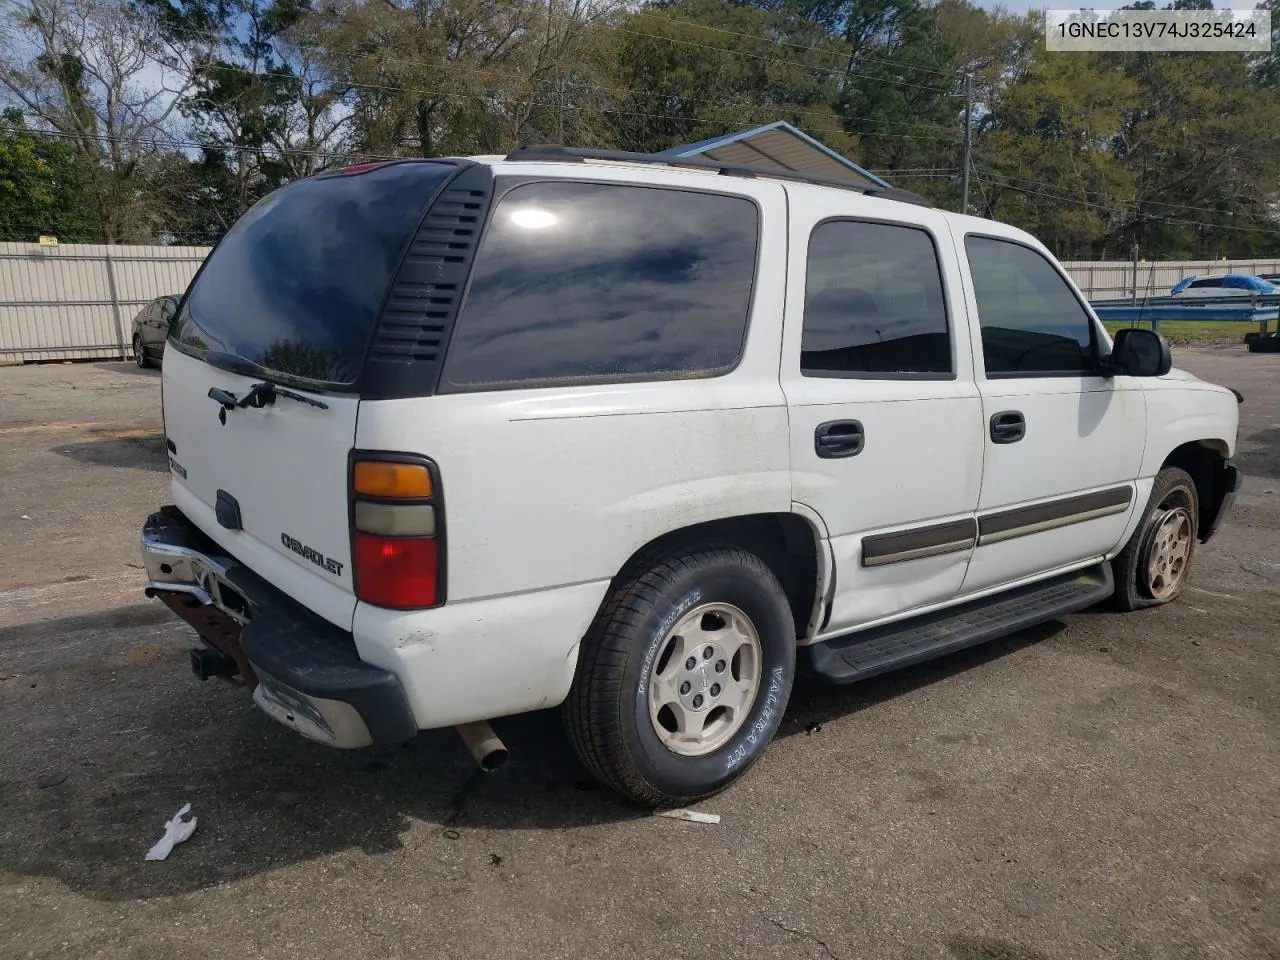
<point>1139,353</point>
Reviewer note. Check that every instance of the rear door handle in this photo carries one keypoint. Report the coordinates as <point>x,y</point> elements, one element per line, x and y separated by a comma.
<point>838,438</point>
<point>1008,426</point>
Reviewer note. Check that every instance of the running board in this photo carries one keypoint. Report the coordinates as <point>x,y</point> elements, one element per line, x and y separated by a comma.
<point>866,653</point>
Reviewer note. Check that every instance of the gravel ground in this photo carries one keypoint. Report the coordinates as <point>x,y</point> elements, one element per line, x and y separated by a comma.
<point>1103,787</point>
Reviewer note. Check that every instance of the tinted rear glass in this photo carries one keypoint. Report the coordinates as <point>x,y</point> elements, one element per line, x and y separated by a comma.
<point>594,282</point>
<point>296,285</point>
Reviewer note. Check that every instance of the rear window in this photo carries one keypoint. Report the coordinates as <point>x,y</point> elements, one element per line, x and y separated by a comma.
<point>296,285</point>
<point>591,282</point>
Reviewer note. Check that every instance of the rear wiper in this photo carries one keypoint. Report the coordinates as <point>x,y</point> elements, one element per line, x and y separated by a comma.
<point>260,395</point>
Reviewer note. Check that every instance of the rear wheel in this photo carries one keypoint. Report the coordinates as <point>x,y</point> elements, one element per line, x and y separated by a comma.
<point>683,676</point>
<point>140,354</point>
<point>1153,566</point>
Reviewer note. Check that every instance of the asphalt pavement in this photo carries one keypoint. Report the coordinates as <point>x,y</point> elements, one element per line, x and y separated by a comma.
<point>1106,787</point>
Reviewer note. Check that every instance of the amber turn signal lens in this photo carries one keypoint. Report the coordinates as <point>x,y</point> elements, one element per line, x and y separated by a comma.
<point>376,478</point>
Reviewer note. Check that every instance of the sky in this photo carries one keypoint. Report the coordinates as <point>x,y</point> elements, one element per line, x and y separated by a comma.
<point>1022,6</point>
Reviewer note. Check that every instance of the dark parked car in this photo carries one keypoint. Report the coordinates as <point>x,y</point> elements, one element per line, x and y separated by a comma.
<point>151,328</point>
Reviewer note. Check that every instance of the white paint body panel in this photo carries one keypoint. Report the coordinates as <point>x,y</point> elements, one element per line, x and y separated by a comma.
<point>481,659</point>
<point>286,465</point>
<point>1083,435</point>
<point>548,492</point>
<point>1184,409</point>
<point>923,455</point>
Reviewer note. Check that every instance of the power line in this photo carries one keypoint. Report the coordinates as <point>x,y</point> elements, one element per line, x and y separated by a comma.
<point>176,142</point>
<point>833,71</point>
<point>223,40</point>
<point>1111,208</point>
<point>795,63</point>
<point>1136,202</point>
<point>799,46</point>
<point>337,84</point>
<point>947,171</point>
<point>1161,203</point>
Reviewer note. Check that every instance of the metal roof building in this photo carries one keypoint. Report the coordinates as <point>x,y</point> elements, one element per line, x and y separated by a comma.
<point>781,146</point>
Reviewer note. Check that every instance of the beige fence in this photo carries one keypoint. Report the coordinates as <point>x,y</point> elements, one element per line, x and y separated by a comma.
<point>1113,279</point>
<point>78,301</point>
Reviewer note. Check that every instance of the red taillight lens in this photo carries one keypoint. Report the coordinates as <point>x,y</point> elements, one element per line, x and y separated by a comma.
<point>396,531</point>
<point>396,572</point>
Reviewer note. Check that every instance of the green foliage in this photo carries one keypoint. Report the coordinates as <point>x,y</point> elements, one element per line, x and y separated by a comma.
<point>43,186</point>
<point>696,69</point>
<point>1092,152</point>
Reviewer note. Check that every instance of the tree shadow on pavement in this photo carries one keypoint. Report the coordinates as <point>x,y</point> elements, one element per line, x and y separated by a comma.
<point>144,452</point>
<point>138,736</point>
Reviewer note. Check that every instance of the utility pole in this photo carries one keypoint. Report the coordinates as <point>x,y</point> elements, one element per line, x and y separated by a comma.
<point>968,140</point>
<point>1133,290</point>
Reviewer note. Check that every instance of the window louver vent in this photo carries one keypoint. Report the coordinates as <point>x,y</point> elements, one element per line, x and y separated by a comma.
<point>423,303</point>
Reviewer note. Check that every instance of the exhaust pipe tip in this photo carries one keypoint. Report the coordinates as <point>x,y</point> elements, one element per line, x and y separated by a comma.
<point>494,759</point>
<point>486,748</point>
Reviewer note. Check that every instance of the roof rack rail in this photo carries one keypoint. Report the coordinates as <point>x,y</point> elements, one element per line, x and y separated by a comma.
<point>554,152</point>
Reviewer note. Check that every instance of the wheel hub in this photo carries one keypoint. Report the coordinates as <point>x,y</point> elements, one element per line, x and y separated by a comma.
<point>704,679</point>
<point>1168,552</point>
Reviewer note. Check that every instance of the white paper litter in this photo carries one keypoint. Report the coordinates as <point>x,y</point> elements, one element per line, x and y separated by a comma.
<point>693,816</point>
<point>175,831</point>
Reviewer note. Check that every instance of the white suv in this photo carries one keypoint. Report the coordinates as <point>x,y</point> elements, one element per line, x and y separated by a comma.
<point>457,439</point>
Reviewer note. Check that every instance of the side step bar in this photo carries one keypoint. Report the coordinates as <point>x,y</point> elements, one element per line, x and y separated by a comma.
<point>866,653</point>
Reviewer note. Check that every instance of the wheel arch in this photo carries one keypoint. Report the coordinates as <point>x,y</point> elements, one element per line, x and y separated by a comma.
<point>1206,461</point>
<point>791,544</point>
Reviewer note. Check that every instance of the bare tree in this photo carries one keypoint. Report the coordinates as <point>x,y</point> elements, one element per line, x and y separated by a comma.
<point>91,71</point>
<point>318,121</point>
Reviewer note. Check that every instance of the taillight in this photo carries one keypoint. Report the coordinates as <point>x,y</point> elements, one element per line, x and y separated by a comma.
<point>396,527</point>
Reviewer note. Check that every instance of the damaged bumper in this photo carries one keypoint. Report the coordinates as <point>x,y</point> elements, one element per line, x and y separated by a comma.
<point>302,670</point>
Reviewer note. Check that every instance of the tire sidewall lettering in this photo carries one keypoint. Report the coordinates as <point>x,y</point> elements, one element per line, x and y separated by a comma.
<point>690,600</point>
<point>739,588</point>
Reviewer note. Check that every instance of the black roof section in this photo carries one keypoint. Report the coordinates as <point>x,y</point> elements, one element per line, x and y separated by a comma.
<point>555,153</point>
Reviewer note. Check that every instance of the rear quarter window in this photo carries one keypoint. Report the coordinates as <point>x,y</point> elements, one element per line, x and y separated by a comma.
<point>594,282</point>
<point>296,285</point>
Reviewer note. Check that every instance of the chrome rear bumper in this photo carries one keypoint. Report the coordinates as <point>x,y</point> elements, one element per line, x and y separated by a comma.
<point>303,671</point>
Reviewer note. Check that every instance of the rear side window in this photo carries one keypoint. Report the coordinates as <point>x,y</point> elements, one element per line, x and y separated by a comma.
<point>592,282</point>
<point>1032,324</point>
<point>873,303</point>
<point>296,285</point>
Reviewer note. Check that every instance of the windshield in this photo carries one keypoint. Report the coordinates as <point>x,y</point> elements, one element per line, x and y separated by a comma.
<point>295,287</point>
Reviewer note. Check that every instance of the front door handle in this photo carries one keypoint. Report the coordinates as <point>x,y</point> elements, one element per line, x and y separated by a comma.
<point>1008,426</point>
<point>838,438</point>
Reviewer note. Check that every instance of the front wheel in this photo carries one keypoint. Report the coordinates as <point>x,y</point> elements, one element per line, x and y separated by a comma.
<point>1152,568</point>
<point>684,675</point>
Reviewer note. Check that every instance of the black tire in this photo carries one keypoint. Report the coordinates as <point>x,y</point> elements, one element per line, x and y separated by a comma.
<point>140,354</point>
<point>607,713</point>
<point>1173,489</point>
<point>1267,344</point>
